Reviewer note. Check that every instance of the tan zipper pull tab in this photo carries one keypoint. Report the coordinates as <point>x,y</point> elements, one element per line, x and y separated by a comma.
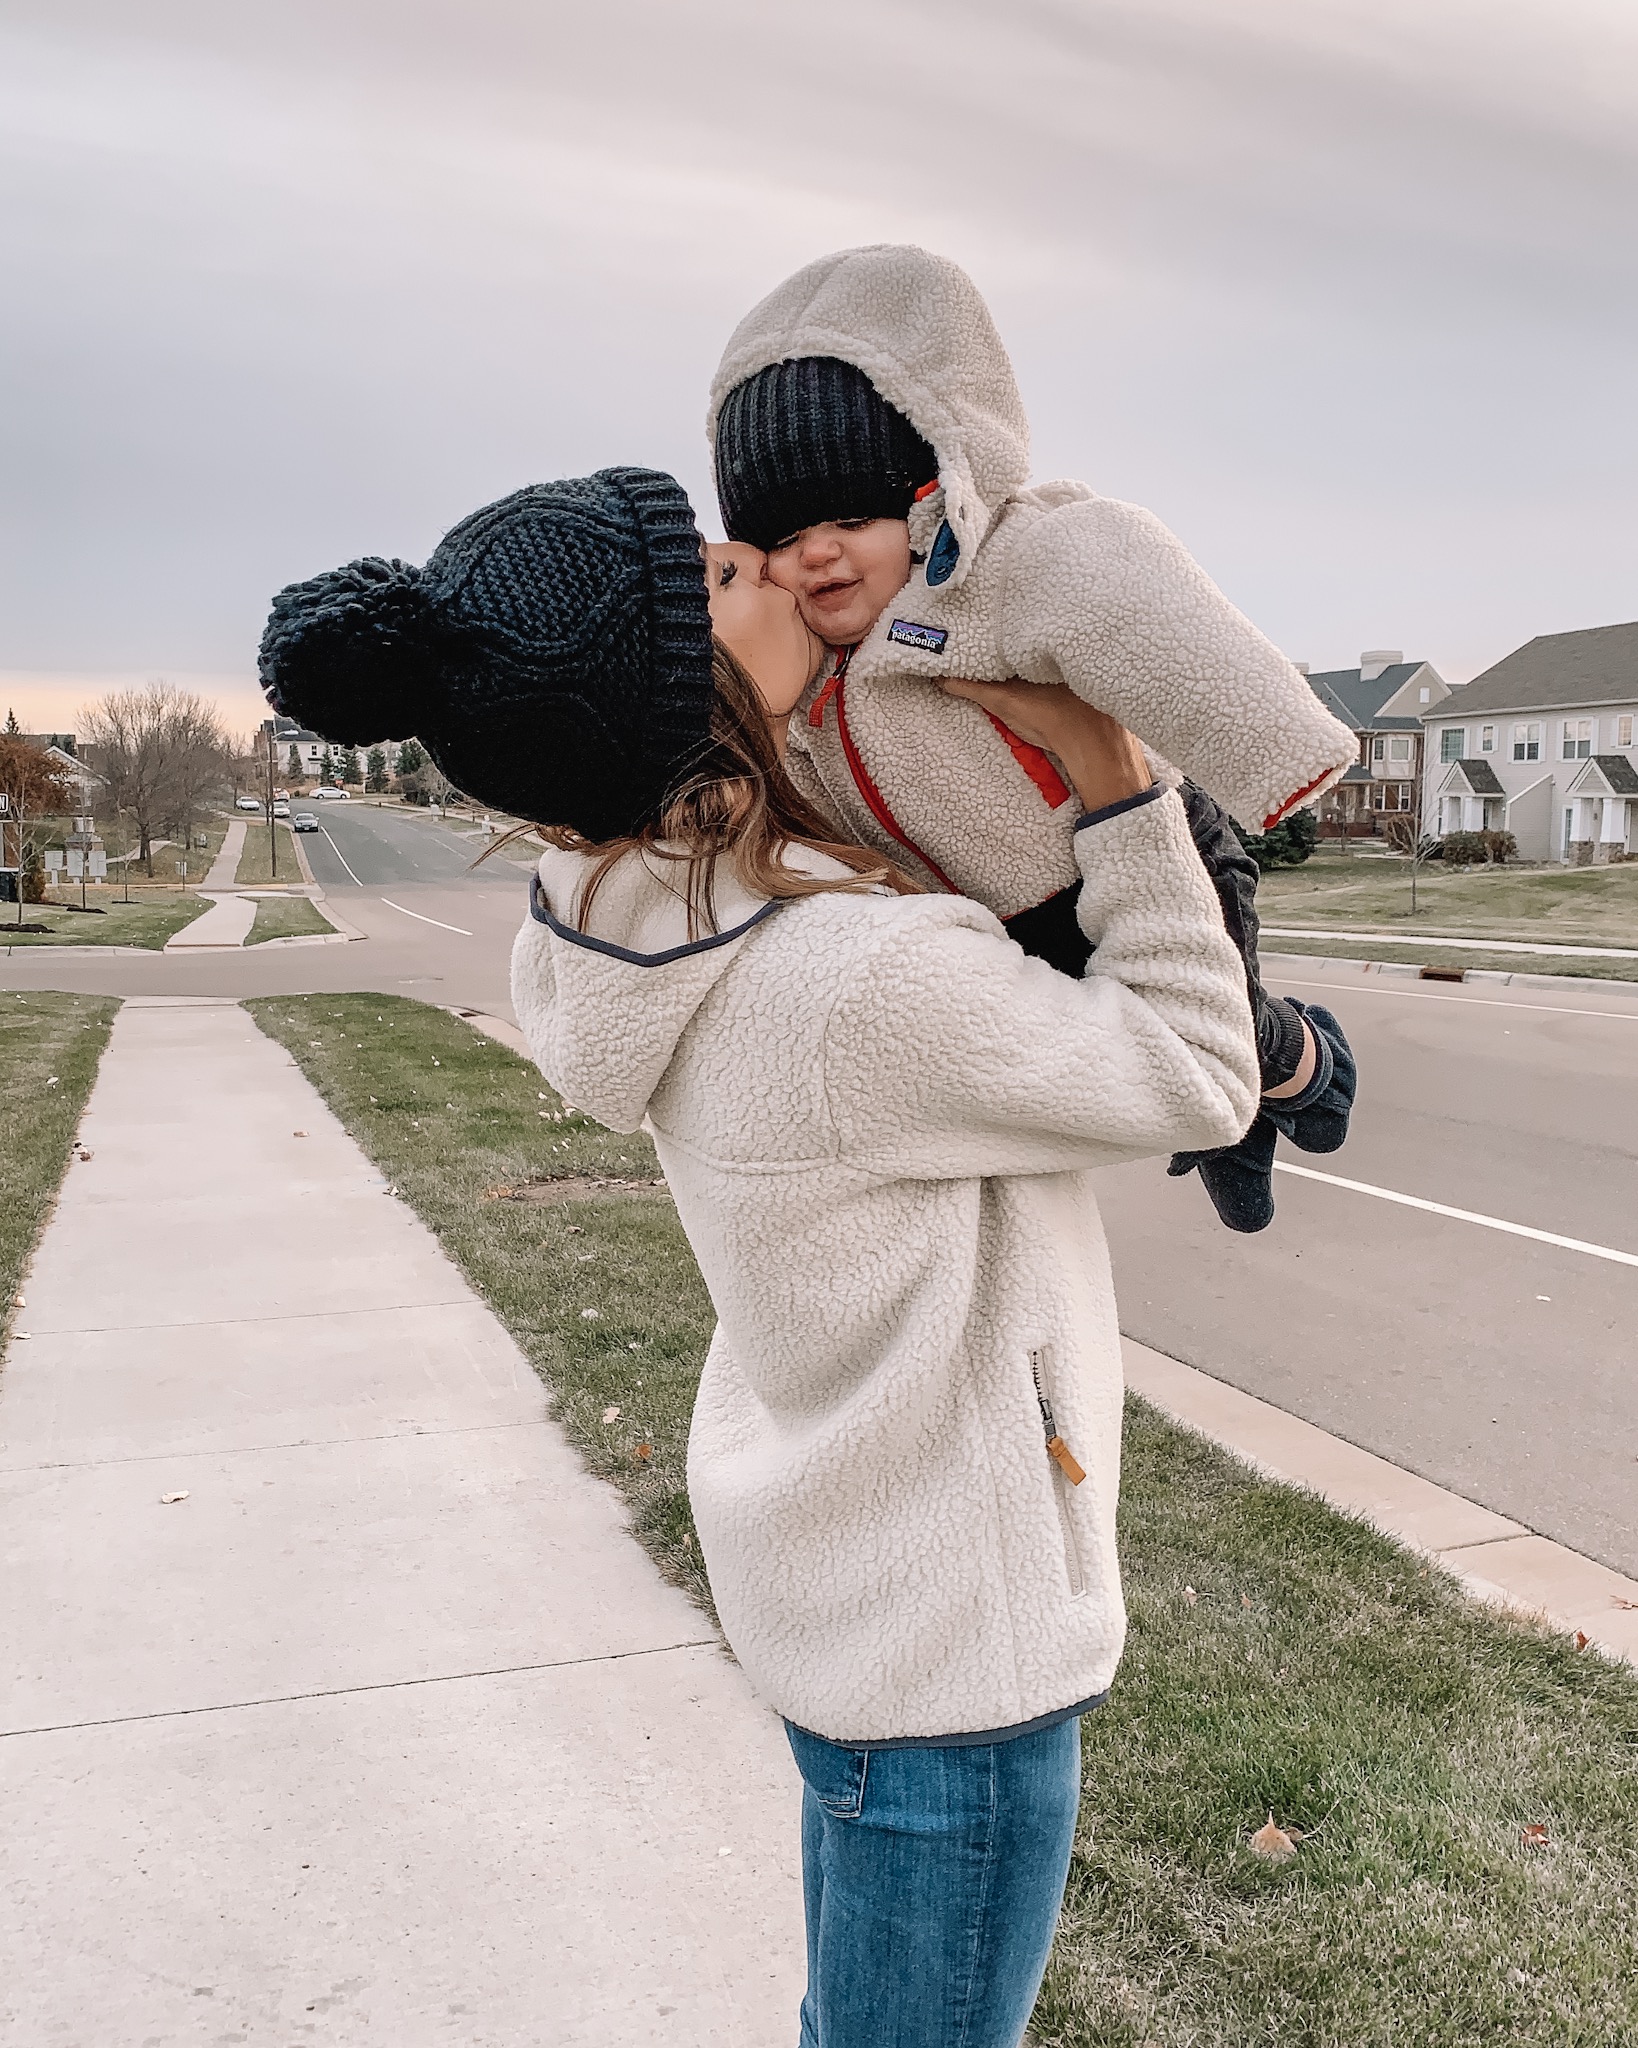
<point>1064,1458</point>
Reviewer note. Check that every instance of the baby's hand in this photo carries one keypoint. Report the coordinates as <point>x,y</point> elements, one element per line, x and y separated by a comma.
<point>1103,760</point>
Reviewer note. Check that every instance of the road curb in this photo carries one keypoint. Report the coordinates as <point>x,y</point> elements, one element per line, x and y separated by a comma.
<point>1494,1558</point>
<point>1613,984</point>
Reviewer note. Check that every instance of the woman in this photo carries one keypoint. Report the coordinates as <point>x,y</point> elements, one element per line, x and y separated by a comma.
<point>877,1117</point>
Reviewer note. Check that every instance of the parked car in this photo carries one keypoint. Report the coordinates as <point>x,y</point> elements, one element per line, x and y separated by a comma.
<point>304,821</point>
<point>281,810</point>
<point>329,795</point>
<point>247,803</point>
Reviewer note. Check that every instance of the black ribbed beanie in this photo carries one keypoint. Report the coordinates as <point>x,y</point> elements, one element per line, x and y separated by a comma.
<point>810,440</point>
<point>553,657</point>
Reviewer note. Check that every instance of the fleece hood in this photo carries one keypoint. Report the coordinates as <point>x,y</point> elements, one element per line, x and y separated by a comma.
<point>915,324</point>
<point>623,992</point>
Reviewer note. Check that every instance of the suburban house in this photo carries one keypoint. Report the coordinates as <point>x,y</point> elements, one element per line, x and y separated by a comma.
<point>1384,700</point>
<point>60,750</point>
<point>1543,746</point>
<point>310,749</point>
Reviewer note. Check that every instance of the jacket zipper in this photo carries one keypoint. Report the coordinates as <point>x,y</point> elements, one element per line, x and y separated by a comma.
<point>1066,1472</point>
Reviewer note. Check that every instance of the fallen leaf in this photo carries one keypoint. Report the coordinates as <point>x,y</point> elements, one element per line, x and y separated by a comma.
<point>642,1452</point>
<point>22,1336</point>
<point>1274,1843</point>
<point>298,1134</point>
<point>543,1112</point>
<point>1245,1599</point>
<point>725,1852</point>
<point>166,1499</point>
<point>1535,1835</point>
<point>1615,1598</point>
<point>1582,1639</point>
<point>52,1082</point>
<point>612,1414</point>
<point>591,1315</point>
<point>17,1301</point>
<point>1190,1596</point>
<point>575,1230</point>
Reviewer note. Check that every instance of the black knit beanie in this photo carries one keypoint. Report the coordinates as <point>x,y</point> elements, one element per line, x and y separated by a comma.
<point>811,440</point>
<point>553,657</point>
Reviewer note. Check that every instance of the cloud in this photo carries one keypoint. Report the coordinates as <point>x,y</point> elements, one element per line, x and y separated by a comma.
<point>1344,291</point>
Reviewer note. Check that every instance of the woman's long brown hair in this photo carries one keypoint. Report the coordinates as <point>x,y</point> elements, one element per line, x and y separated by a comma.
<point>741,806</point>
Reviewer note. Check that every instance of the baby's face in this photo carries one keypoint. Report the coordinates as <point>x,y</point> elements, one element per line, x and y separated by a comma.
<point>843,574</point>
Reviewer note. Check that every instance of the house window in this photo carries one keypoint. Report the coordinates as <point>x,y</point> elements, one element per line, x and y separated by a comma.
<point>1577,739</point>
<point>1453,743</point>
<point>1378,748</point>
<point>1399,747</point>
<point>1487,739</point>
<point>1527,742</point>
<point>1423,696</point>
<point>1379,797</point>
<point>1405,789</point>
<point>1623,731</point>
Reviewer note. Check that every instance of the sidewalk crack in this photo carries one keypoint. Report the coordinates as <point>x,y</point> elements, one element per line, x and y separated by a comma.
<point>341,1692</point>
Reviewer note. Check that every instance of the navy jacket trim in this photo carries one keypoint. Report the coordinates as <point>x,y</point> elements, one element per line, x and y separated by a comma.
<point>539,911</point>
<point>1152,794</point>
<point>982,1736</point>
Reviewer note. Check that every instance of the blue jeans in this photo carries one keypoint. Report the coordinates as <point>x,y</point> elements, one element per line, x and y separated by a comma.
<point>932,1879</point>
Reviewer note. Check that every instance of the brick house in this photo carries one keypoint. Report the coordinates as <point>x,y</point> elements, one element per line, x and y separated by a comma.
<point>1384,700</point>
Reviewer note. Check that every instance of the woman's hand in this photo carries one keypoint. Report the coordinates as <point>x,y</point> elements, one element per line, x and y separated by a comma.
<point>1104,761</point>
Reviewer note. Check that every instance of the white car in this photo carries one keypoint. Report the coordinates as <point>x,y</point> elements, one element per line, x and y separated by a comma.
<point>328,795</point>
<point>247,803</point>
<point>281,809</point>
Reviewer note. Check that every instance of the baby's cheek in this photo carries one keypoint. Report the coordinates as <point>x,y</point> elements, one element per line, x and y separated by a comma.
<point>785,574</point>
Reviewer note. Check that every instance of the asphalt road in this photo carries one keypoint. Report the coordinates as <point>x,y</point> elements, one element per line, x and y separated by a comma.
<point>1504,1368</point>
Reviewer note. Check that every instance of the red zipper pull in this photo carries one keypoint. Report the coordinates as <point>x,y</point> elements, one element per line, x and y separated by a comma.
<point>816,710</point>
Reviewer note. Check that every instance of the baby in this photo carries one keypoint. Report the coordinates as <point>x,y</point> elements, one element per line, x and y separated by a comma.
<point>869,434</point>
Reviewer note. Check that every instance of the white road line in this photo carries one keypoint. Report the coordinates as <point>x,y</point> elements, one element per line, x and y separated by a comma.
<point>1362,1187</point>
<point>1423,995</point>
<point>438,921</point>
<point>340,856</point>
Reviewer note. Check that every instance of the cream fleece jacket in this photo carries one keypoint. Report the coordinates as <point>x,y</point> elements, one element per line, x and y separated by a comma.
<point>877,1117</point>
<point>1051,583</point>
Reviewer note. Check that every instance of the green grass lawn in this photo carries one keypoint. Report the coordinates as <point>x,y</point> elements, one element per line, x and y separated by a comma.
<point>149,919</point>
<point>288,917</point>
<point>1563,906</point>
<point>49,1049</point>
<point>255,862</point>
<point>1282,1658</point>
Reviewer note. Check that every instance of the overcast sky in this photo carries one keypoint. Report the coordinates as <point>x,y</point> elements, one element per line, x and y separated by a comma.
<point>1344,290</point>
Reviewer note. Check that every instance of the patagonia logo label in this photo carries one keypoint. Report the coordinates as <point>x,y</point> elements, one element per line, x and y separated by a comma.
<point>906,633</point>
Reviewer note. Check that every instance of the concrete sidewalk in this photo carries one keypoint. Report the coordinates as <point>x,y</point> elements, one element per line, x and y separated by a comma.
<point>387,1732</point>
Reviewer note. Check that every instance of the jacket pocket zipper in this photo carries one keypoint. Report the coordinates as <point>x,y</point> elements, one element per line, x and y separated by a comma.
<point>1066,1472</point>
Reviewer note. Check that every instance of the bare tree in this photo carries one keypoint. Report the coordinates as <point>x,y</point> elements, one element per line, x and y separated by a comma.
<point>161,753</point>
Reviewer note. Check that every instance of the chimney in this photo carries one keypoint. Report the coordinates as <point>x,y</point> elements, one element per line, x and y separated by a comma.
<point>1375,659</point>
<point>1301,667</point>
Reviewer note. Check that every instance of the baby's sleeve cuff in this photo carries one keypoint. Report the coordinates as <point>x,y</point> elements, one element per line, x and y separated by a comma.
<point>1126,803</point>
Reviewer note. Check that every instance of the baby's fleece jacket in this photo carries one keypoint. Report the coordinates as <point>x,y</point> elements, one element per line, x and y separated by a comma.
<point>878,1119</point>
<point>1051,584</point>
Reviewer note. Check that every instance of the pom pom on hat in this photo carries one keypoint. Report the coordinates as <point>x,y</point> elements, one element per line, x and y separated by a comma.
<point>352,653</point>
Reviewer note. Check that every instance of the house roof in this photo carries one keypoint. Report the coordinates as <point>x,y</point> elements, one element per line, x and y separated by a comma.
<point>1358,773</point>
<point>1597,665</point>
<point>1619,773</point>
<point>1357,703</point>
<point>1482,779</point>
